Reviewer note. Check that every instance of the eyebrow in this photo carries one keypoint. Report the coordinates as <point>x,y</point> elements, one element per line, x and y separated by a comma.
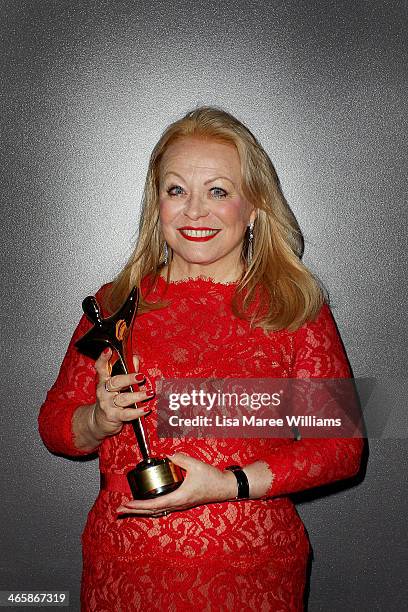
<point>211,180</point>
<point>175,174</point>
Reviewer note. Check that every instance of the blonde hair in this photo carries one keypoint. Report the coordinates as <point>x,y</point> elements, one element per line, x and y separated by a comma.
<point>276,290</point>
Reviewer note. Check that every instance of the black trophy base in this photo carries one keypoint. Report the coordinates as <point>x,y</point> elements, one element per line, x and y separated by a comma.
<point>154,477</point>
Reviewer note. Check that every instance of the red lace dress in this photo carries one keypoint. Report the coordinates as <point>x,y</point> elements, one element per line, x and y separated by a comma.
<point>245,555</point>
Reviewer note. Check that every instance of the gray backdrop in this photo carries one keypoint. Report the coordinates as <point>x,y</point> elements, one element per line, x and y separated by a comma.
<point>87,88</point>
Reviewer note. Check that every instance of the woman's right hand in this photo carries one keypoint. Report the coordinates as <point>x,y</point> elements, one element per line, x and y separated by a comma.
<point>113,408</point>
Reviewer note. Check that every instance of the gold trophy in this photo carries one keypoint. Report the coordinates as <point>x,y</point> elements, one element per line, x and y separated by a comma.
<point>153,476</point>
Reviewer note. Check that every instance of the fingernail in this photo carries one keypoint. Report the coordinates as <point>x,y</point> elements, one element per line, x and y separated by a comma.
<point>140,377</point>
<point>106,351</point>
<point>150,393</point>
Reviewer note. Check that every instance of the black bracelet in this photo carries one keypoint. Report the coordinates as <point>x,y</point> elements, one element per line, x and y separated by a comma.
<point>242,481</point>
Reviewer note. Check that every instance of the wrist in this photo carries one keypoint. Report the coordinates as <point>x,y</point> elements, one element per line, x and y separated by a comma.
<point>93,427</point>
<point>241,481</point>
<point>84,437</point>
<point>231,487</point>
<point>261,479</point>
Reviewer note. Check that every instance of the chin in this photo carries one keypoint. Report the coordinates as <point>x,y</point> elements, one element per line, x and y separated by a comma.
<point>197,258</point>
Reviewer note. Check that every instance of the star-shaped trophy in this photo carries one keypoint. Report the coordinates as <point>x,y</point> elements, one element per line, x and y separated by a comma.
<point>153,476</point>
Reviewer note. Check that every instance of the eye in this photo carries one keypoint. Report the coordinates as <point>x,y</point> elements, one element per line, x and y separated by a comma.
<point>218,192</point>
<point>175,190</point>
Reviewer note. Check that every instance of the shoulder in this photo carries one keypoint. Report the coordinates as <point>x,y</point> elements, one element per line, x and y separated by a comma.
<point>321,325</point>
<point>104,290</point>
<point>318,346</point>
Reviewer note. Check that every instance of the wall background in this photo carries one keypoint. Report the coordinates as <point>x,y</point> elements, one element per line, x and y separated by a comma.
<point>87,88</point>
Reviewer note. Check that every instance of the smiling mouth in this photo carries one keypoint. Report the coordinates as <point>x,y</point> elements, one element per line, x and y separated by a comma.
<point>198,234</point>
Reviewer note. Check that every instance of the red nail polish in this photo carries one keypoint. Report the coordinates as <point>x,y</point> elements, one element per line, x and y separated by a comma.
<point>140,377</point>
<point>106,351</point>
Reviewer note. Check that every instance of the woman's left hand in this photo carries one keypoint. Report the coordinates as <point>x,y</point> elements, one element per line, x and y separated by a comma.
<point>202,484</point>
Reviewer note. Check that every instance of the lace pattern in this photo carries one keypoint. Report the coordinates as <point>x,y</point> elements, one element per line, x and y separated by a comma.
<point>249,555</point>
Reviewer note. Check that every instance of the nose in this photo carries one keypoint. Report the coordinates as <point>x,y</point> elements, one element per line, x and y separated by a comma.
<point>195,207</point>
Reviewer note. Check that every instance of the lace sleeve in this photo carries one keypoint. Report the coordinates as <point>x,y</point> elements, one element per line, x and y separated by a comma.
<point>311,462</point>
<point>75,386</point>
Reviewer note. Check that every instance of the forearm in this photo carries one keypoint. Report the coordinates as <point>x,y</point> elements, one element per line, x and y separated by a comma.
<point>260,479</point>
<point>56,427</point>
<point>303,465</point>
<point>86,435</point>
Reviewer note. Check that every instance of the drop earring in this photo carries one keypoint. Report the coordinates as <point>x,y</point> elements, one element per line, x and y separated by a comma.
<point>166,254</point>
<point>250,250</point>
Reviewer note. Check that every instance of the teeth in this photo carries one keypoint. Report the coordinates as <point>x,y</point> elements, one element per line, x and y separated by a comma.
<point>199,233</point>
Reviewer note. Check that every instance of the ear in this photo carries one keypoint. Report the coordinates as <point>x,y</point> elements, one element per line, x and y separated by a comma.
<point>252,216</point>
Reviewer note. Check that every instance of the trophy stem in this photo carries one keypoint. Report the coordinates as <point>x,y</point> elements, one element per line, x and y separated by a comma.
<point>141,438</point>
<point>137,423</point>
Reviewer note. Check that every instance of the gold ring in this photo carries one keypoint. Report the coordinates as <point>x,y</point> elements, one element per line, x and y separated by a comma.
<point>114,403</point>
<point>108,389</point>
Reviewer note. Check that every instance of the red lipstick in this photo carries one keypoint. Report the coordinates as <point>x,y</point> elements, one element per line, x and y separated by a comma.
<point>198,234</point>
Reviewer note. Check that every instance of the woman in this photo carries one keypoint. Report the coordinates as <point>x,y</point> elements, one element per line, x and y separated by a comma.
<point>224,295</point>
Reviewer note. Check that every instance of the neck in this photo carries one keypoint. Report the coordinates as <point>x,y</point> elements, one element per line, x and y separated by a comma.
<point>181,270</point>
